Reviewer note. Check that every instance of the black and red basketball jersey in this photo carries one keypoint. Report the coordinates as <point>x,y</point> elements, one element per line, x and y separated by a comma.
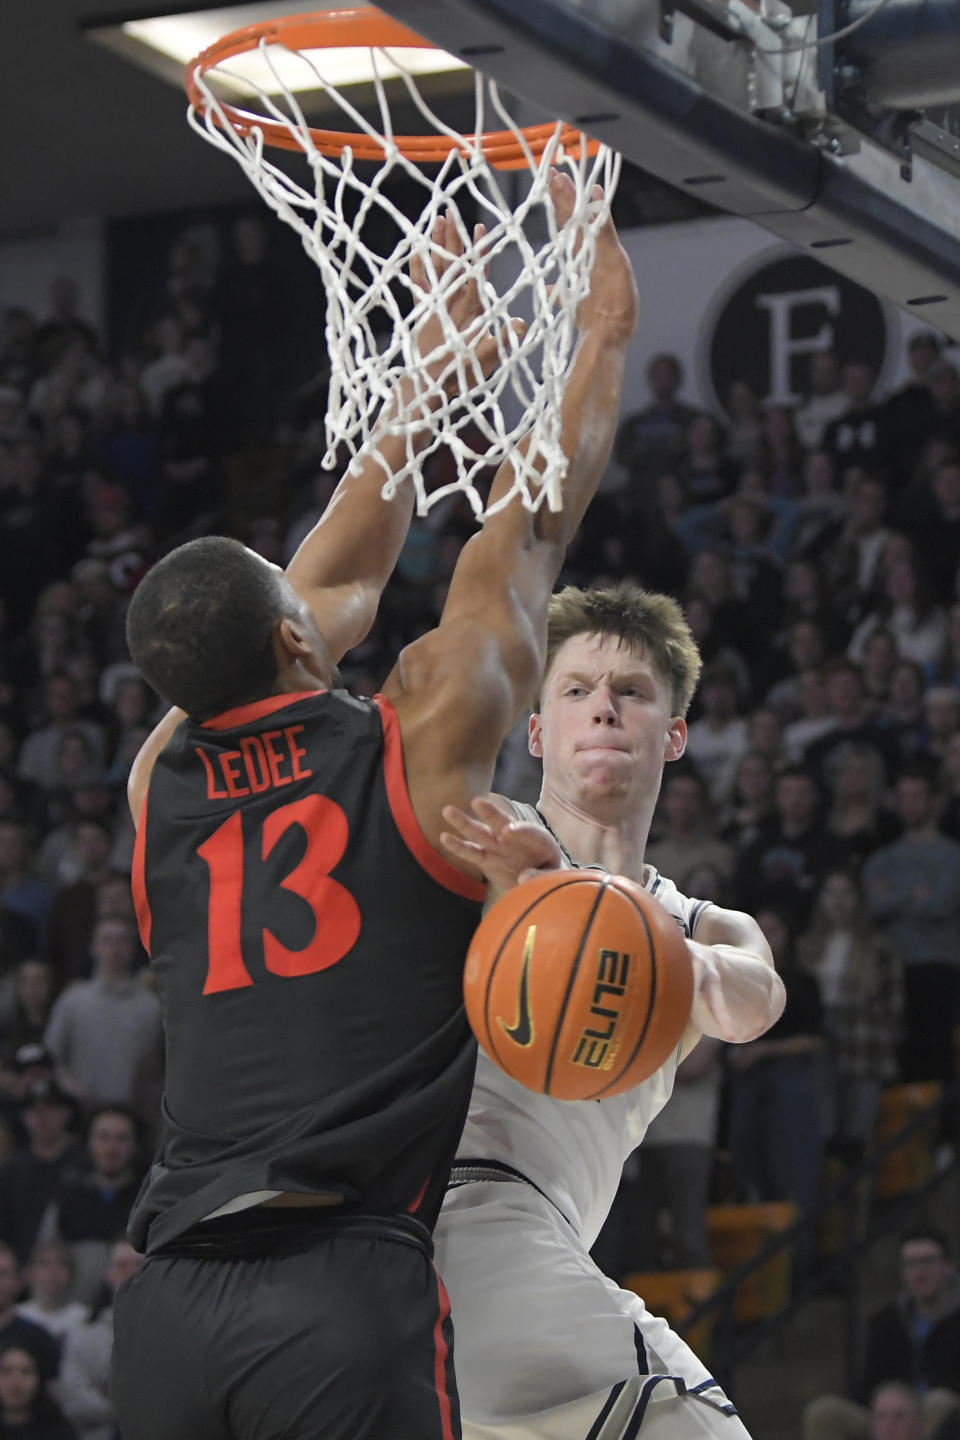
<point>308,944</point>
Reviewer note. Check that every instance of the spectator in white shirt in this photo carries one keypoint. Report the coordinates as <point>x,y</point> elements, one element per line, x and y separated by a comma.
<point>50,1275</point>
<point>827,400</point>
<point>85,1374</point>
<point>168,369</point>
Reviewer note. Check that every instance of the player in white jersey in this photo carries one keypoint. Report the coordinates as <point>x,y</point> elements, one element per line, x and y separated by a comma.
<point>547,1347</point>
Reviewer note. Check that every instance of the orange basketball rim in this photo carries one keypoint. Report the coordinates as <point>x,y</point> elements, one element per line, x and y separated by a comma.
<point>367,29</point>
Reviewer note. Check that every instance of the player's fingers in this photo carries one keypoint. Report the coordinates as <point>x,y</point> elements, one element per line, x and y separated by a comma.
<point>463,849</point>
<point>459,820</point>
<point>418,275</point>
<point>608,228</point>
<point>479,235</point>
<point>438,236</point>
<point>453,241</point>
<point>465,824</point>
<point>534,844</point>
<point>466,303</point>
<point>563,195</point>
<point>532,834</point>
<point>485,359</point>
<point>495,818</point>
<point>485,804</point>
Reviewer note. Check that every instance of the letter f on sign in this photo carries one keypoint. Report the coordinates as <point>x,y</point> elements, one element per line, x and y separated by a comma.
<point>784,345</point>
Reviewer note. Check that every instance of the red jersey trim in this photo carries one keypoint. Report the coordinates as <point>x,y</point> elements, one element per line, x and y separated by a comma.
<point>245,714</point>
<point>138,882</point>
<point>436,865</point>
<point>440,1355</point>
<point>414,1205</point>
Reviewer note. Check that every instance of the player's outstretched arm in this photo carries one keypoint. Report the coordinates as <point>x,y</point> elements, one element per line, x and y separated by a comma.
<point>606,320</point>
<point>459,688</point>
<point>737,992</point>
<point>505,573</point>
<point>344,563</point>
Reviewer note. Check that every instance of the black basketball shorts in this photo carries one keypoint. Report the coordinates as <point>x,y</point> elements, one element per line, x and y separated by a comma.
<point>279,1326</point>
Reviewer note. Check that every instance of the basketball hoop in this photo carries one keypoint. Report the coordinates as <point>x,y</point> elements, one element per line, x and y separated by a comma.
<point>374,310</point>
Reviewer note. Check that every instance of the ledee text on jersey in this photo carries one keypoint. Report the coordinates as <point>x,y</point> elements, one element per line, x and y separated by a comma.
<point>259,762</point>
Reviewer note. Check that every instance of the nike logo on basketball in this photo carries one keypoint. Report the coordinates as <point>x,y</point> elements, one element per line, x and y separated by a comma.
<point>522,1032</point>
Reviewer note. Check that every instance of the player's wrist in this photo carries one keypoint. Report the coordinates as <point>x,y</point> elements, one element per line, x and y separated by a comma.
<point>410,409</point>
<point>607,330</point>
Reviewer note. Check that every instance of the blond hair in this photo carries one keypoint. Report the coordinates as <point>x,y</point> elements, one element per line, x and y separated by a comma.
<point>653,623</point>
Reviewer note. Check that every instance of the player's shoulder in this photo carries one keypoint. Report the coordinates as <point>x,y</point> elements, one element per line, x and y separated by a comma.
<point>687,910</point>
<point>453,700</point>
<point>521,810</point>
<point>452,656</point>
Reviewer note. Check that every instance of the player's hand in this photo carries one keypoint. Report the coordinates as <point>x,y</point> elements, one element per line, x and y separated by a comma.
<point>612,304</point>
<point>708,988</point>
<point>464,308</point>
<point>505,850</point>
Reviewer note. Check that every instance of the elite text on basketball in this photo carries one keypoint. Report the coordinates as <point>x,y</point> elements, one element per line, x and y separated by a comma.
<point>597,1048</point>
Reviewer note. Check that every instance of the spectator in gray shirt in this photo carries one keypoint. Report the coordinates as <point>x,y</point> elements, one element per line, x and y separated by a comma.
<point>39,751</point>
<point>106,1033</point>
<point>913,890</point>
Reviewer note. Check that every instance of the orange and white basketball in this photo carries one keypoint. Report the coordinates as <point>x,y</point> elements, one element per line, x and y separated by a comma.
<point>578,984</point>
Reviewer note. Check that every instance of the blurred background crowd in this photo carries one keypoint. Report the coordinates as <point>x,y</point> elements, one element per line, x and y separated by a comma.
<point>816,551</point>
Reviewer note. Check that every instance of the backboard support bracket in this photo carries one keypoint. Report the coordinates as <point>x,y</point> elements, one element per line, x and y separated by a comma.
<point>897,236</point>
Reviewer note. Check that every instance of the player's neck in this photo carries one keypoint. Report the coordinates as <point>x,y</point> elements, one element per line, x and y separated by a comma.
<point>616,839</point>
<point>298,679</point>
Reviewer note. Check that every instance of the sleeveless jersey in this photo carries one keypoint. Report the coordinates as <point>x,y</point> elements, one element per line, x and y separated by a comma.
<point>572,1151</point>
<point>308,945</point>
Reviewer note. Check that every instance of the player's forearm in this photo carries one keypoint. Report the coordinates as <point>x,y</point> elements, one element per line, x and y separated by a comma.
<point>358,539</point>
<point>589,412</point>
<point>737,995</point>
<point>591,409</point>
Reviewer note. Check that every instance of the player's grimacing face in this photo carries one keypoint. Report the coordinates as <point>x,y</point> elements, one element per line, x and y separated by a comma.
<point>605,721</point>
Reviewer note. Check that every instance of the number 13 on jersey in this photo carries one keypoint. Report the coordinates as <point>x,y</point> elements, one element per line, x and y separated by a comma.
<point>336,915</point>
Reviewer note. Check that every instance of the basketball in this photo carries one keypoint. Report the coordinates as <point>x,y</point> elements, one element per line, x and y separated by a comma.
<point>578,985</point>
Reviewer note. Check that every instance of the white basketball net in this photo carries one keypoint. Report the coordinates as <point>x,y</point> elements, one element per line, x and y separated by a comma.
<point>363,287</point>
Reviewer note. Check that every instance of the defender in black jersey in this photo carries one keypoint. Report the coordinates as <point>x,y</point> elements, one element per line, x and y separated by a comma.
<point>288,894</point>
<point>308,940</point>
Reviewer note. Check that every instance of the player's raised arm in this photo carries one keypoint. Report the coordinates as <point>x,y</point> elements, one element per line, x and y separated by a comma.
<point>344,563</point>
<point>458,689</point>
<point>505,574</point>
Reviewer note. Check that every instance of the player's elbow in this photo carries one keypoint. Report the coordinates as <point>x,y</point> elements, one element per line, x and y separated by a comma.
<point>772,1004</point>
<point>524,666</point>
<point>552,530</point>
